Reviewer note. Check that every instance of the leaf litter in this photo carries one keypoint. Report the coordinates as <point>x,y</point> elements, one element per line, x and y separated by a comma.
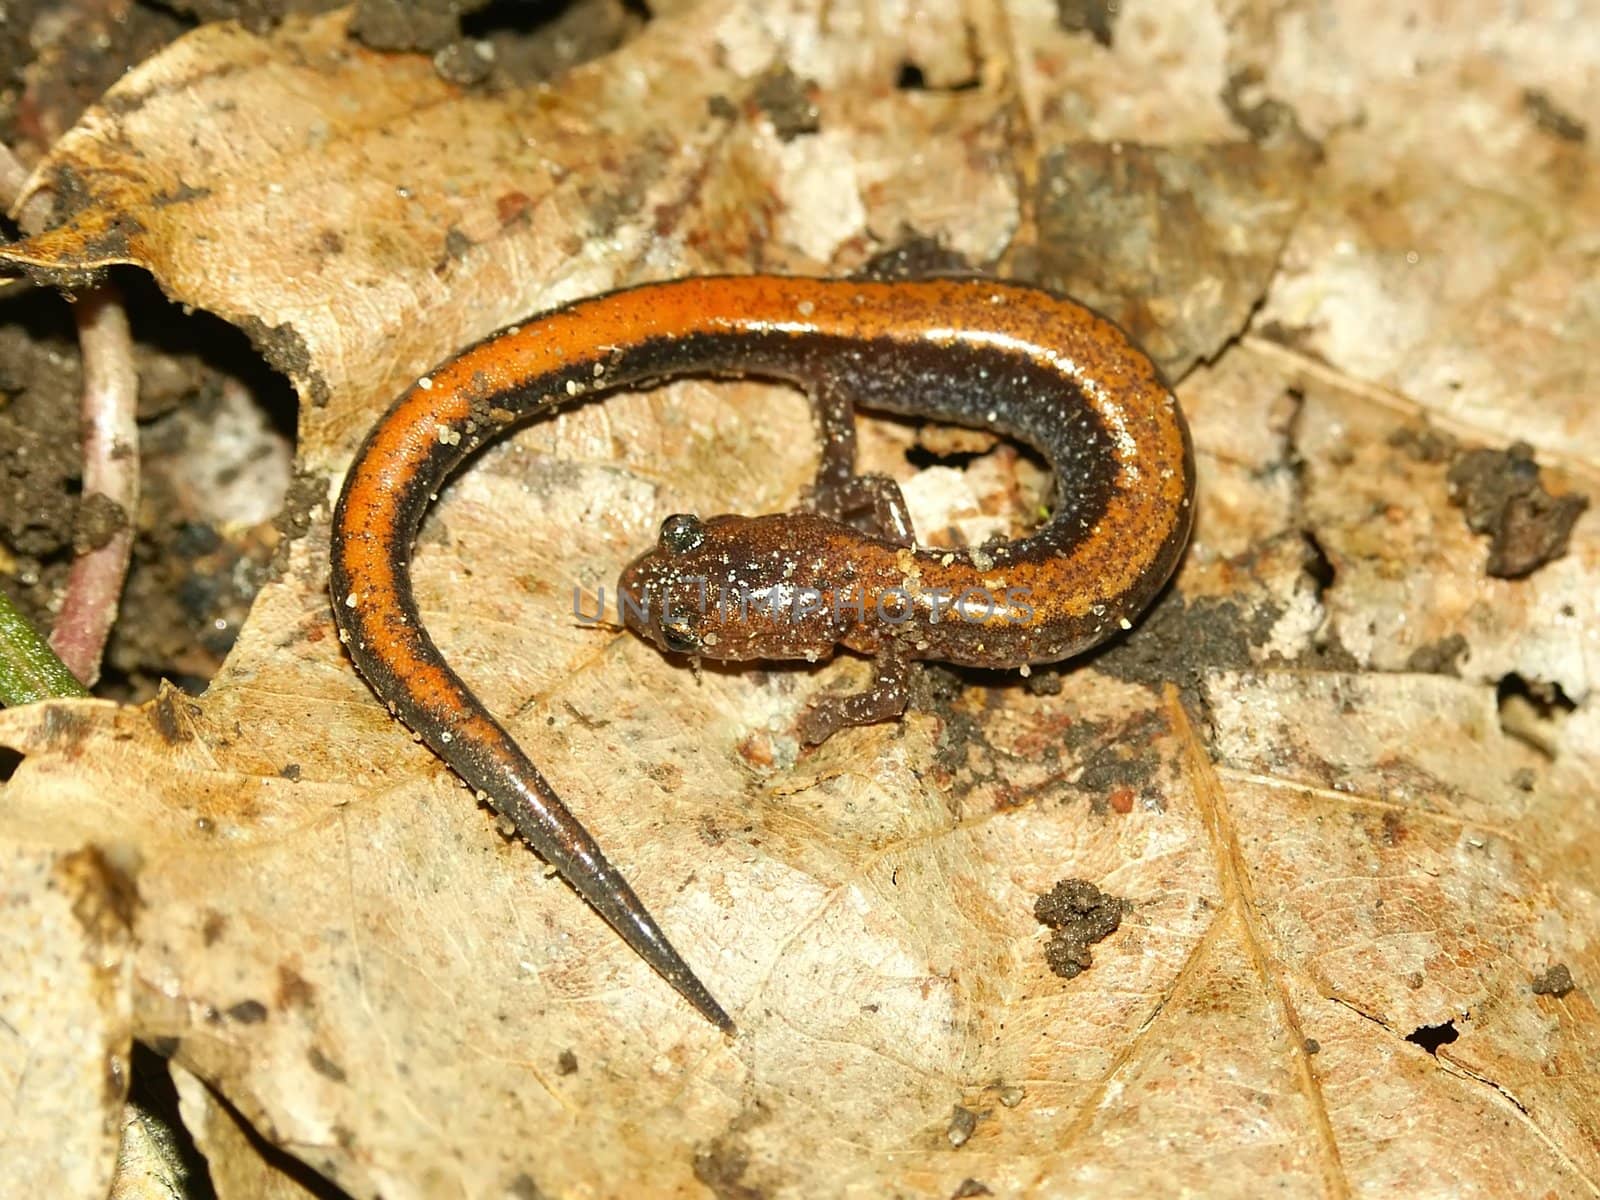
<point>1321,850</point>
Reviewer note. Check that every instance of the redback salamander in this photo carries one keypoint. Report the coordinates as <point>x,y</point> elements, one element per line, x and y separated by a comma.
<point>992,355</point>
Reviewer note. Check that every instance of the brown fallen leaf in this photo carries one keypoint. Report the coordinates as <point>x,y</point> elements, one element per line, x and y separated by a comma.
<point>65,1017</point>
<point>1341,877</point>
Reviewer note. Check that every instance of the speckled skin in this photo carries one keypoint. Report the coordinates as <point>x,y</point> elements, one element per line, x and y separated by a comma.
<point>976,352</point>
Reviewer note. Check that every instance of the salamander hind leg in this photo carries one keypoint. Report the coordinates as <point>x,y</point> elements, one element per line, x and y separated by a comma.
<point>886,698</point>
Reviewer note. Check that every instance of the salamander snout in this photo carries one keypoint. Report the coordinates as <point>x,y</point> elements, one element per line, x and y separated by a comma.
<point>734,587</point>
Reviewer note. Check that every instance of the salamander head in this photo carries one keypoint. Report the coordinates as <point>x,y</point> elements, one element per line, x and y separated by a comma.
<point>739,587</point>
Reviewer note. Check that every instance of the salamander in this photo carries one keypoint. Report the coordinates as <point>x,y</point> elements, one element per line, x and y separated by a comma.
<point>844,569</point>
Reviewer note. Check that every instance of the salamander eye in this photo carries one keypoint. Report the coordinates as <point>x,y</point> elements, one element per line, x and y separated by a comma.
<point>681,533</point>
<point>678,635</point>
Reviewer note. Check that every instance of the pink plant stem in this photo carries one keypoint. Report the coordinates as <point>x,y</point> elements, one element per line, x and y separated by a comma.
<point>110,449</point>
<point>12,176</point>
<point>110,469</point>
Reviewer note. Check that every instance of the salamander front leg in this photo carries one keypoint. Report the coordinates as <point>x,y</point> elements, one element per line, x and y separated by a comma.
<point>875,494</point>
<point>838,492</point>
<point>886,698</point>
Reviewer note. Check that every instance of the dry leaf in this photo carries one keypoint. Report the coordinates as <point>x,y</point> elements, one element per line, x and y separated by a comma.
<point>1346,887</point>
<point>237,1167</point>
<point>65,1019</point>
